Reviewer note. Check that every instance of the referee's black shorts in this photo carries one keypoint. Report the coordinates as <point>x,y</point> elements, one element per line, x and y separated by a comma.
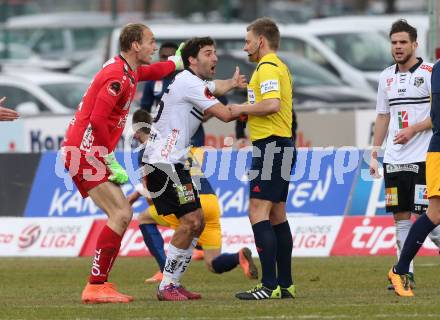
<point>272,161</point>
<point>172,189</point>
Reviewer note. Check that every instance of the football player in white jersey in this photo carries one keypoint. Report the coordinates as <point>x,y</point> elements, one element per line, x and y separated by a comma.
<point>187,101</point>
<point>403,106</point>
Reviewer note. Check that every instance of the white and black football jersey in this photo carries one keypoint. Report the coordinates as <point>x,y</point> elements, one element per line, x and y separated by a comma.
<point>177,118</point>
<point>406,97</point>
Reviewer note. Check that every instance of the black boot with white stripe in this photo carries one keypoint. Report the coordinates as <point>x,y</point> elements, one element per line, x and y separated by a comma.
<point>260,292</point>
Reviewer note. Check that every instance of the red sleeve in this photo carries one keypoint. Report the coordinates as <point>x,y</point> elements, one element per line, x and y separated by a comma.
<point>106,99</point>
<point>156,71</point>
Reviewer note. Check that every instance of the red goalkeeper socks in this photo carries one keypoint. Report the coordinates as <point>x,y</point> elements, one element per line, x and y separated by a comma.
<point>107,248</point>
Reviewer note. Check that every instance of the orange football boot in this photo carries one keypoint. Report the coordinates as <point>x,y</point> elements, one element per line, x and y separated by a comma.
<point>247,263</point>
<point>400,284</point>
<point>157,277</point>
<point>103,293</point>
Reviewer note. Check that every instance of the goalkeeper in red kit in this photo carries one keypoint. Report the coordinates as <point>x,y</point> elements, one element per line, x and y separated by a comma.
<point>91,138</point>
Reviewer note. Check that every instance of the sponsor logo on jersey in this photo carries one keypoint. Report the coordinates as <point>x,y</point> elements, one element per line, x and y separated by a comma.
<point>391,198</point>
<point>418,81</point>
<point>122,121</point>
<point>269,85</point>
<point>87,140</point>
<point>402,117</point>
<point>401,91</point>
<point>251,96</point>
<point>171,142</point>
<point>114,88</point>
<point>208,94</point>
<point>420,194</point>
<point>426,67</point>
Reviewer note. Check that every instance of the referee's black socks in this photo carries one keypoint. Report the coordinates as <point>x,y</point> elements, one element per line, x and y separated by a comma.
<point>266,243</point>
<point>284,254</point>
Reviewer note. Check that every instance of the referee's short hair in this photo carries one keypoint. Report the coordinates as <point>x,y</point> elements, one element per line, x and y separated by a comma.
<point>402,25</point>
<point>193,46</point>
<point>267,28</point>
<point>142,116</point>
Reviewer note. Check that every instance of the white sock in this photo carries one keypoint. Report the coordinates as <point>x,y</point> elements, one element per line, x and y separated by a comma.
<point>184,264</point>
<point>435,236</point>
<point>175,258</point>
<point>402,230</point>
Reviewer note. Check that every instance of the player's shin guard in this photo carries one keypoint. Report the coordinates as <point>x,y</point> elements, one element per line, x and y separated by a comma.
<point>266,243</point>
<point>284,254</point>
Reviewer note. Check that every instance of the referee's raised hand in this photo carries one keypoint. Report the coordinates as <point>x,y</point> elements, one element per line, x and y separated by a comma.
<point>7,114</point>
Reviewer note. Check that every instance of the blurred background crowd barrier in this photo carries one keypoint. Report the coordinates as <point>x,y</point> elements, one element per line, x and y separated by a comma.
<point>334,207</point>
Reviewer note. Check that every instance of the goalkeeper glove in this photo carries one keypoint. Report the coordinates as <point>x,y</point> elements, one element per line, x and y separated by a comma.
<point>118,174</point>
<point>177,58</point>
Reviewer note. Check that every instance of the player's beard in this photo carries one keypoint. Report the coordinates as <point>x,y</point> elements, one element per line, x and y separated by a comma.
<point>209,74</point>
<point>404,59</point>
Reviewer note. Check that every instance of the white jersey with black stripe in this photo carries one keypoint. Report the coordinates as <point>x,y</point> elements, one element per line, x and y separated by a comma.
<point>177,118</point>
<point>406,97</point>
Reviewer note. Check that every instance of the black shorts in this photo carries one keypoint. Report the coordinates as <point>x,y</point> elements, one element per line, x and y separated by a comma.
<point>172,189</point>
<point>271,167</point>
<point>405,187</point>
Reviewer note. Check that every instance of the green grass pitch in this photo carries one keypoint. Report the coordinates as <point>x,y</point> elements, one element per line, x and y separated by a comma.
<point>328,288</point>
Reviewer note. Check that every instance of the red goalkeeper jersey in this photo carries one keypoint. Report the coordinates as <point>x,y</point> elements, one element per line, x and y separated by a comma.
<point>103,111</point>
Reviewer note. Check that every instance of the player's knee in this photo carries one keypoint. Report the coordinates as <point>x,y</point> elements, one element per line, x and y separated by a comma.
<point>194,225</point>
<point>124,216</point>
<point>141,219</point>
<point>434,210</point>
<point>145,218</point>
<point>434,215</point>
